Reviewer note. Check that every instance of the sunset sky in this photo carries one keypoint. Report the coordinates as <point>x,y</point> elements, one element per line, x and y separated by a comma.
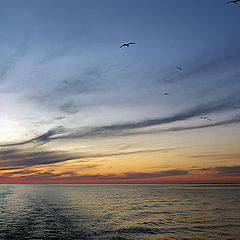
<point>77,108</point>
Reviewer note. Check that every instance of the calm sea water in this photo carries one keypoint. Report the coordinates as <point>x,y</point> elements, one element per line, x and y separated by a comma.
<point>120,212</point>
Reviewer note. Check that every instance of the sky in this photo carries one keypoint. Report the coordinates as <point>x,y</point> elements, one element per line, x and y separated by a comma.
<point>77,108</point>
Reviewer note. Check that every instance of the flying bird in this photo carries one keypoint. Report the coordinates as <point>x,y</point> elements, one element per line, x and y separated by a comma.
<point>181,69</point>
<point>234,1</point>
<point>127,44</point>
<point>165,94</point>
<point>206,118</point>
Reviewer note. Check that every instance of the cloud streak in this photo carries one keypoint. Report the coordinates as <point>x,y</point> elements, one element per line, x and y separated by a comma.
<point>222,171</point>
<point>50,175</point>
<point>43,138</point>
<point>219,156</point>
<point>216,65</point>
<point>23,158</point>
<point>209,125</point>
<point>17,158</point>
<point>61,133</point>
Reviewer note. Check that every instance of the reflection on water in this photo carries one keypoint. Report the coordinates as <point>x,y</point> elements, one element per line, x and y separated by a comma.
<point>119,212</point>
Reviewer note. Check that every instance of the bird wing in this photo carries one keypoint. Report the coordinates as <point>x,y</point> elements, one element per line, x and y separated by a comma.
<point>123,45</point>
<point>179,68</point>
<point>132,43</point>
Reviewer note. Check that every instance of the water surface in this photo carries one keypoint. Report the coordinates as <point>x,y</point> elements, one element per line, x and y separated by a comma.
<point>120,212</point>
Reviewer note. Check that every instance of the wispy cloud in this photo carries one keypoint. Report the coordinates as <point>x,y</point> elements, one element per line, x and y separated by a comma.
<point>61,133</point>
<point>22,158</point>
<point>43,138</point>
<point>222,171</point>
<point>10,62</point>
<point>50,175</point>
<point>219,156</point>
<point>204,67</point>
<point>213,107</point>
<point>209,125</point>
<point>34,174</point>
<point>14,158</point>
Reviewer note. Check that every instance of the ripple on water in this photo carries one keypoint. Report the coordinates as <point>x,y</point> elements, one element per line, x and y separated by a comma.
<point>119,212</point>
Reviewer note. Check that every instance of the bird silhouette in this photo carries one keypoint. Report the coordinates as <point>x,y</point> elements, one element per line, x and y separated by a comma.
<point>181,69</point>
<point>206,118</point>
<point>127,44</point>
<point>165,94</point>
<point>234,1</point>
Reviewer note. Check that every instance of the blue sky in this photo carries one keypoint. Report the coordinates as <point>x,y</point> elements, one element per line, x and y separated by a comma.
<point>63,77</point>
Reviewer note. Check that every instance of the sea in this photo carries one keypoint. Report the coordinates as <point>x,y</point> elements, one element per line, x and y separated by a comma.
<point>120,212</point>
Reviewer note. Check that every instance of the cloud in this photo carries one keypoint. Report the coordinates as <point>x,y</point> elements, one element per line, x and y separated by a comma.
<point>133,175</point>
<point>9,63</point>
<point>50,175</point>
<point>6,68</point>
<point>35,174</point>
<point>71,89</point>
<point>68,107</point>
<point>222,123</point>
<point>10,168</point>
<point>228,171</point>
<point>223,171</point>
<point>61,133</point>
<point>143,175</point>
<point>215,65</point>
<point>219,156</point>
<point>213,107</point>
<point>43,138</point>
<point>22,172</point>
<point>10,158</point>
<point>13,157</point>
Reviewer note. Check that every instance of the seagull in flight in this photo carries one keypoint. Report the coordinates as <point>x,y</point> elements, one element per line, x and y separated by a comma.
<point>234,1</point>
<point>127,44</point>
<point>206,118</point>
<point>181,69</point>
